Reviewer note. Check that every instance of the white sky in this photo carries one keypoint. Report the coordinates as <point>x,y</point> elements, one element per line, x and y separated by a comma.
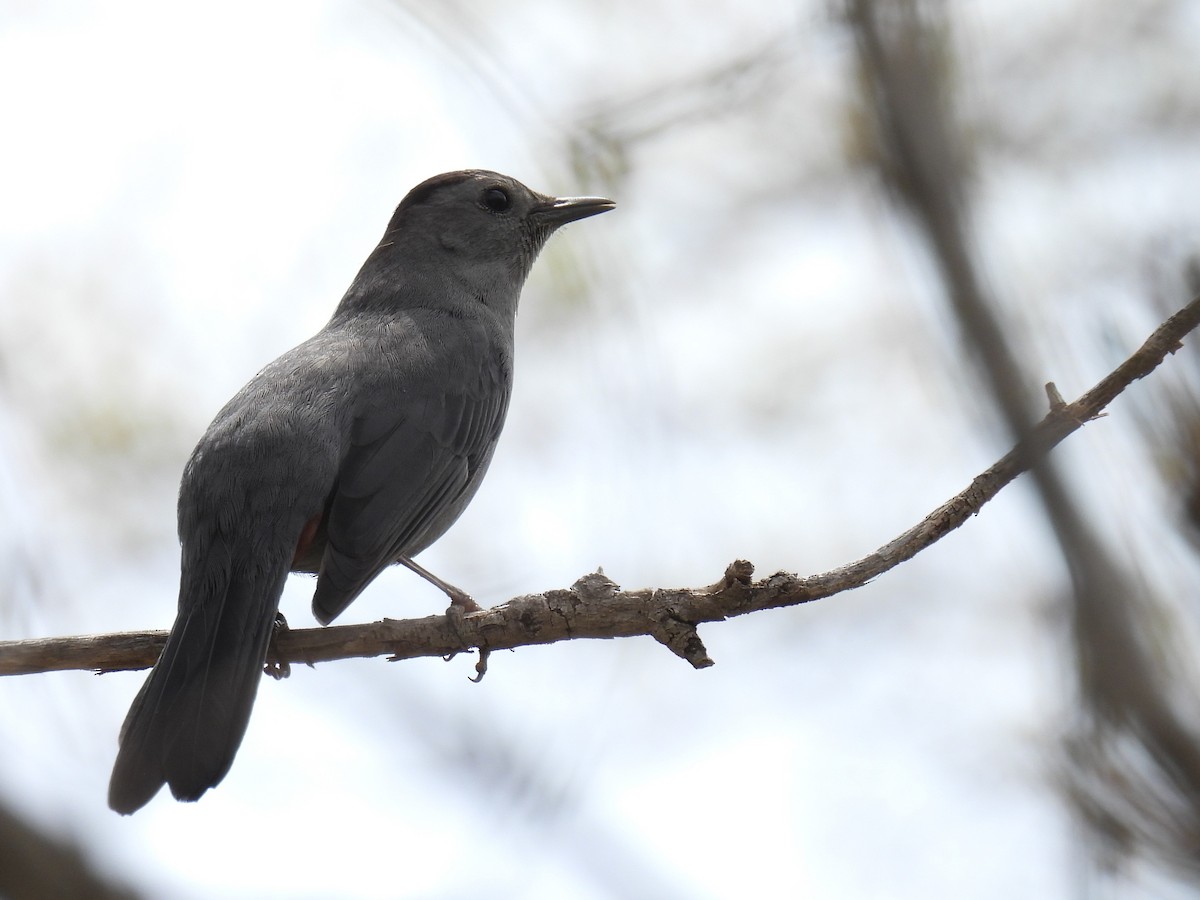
<point>184,197</point>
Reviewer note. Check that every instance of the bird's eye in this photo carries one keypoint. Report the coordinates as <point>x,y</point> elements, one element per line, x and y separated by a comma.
<point>496,199</point>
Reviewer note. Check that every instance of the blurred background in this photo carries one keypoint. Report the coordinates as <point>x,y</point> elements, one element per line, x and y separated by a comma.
<point>852,241</point>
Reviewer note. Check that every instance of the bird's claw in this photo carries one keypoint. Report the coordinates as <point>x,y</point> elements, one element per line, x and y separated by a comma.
<point>481,665</point>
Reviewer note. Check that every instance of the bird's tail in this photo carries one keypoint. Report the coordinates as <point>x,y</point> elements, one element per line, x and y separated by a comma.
<point>188,720</point>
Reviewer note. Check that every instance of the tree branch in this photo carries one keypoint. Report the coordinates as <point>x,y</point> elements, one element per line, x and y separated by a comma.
<point>595,607</point>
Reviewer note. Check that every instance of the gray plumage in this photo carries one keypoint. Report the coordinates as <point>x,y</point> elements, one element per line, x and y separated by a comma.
<point>351,452</point>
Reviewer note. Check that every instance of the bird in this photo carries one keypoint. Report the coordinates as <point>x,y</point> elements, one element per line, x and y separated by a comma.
<point>354,450</point>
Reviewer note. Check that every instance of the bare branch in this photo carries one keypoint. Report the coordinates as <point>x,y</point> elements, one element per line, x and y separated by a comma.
<point>595,607</point>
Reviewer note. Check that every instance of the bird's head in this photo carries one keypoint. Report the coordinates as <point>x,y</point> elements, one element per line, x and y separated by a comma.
<point>477,227</point>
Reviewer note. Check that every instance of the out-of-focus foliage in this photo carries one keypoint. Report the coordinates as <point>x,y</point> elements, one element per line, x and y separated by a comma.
<point>751,358</point>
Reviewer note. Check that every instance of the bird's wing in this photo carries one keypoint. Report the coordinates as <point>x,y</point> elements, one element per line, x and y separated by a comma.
<point>410,469</point>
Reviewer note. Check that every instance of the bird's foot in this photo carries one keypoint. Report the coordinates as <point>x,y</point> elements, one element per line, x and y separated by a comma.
<point>457,611</point>
<point>460,605</point>
<point>274,666</point>
<point>462,601</point>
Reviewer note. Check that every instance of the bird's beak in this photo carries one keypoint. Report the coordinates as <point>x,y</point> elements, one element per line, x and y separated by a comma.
<point>562,210</point>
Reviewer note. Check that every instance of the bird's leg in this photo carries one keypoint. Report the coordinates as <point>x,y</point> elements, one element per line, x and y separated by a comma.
<point>458,597</point>
<point>461,603</point>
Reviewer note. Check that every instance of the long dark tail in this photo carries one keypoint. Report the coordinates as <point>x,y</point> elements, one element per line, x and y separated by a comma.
<point>188,720</point>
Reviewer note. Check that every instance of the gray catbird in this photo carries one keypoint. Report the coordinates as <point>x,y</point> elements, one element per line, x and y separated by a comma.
<point>351,452</point>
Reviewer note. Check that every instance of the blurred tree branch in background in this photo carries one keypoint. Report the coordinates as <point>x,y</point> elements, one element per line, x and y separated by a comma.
<point>1171,428</point>
<point>1133,757</point>
<point>595,607</point>
<point>35,866</point>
